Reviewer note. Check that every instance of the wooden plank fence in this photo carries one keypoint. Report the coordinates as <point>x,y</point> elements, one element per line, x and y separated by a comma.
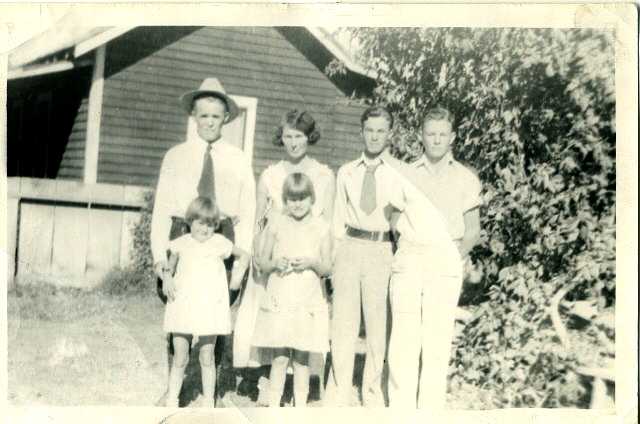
<point>69,232</point>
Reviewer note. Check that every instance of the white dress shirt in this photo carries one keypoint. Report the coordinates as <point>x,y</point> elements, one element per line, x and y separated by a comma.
<point>421,225</point>
<point>453,188</point>
<point>346,210</point>
<point>177,187</point>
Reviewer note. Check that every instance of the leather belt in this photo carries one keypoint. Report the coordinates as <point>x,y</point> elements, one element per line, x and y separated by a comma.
<point>368,235</point>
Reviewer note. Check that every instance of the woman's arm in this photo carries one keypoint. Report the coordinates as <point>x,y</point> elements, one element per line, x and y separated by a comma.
<point>262,197</point>
<point>324,266</point>
<point>329,196</point>
<point>240,265</point>
<point>264,256</point>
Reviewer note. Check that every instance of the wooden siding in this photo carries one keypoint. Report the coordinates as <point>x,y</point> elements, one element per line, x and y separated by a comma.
<point>147,70</point>
<point>69,232</point>
<point>72,165</point>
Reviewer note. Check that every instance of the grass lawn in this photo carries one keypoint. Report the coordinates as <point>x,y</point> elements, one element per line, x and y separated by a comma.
<point>84,348</point>
<point>69,347</point>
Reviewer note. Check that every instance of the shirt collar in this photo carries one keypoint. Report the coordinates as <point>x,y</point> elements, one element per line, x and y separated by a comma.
<point>195,140</point>
<point>423,161</point>
<point>381,159</point>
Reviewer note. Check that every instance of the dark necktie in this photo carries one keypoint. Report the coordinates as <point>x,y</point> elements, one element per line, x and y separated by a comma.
<point>207,186</point>
<point>368,194</point>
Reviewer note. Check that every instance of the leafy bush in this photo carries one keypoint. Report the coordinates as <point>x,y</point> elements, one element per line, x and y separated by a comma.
<point>536,119</point>
<point>138,276</point>
<point>142,260</point>
<point>127,281</point>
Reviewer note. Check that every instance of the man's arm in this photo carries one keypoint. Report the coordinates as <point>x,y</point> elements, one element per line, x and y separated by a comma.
<point>161,218</point>
<point>471,235</point>
<point>339,207</point>
<point>243,229</point>
<point>471,214</point>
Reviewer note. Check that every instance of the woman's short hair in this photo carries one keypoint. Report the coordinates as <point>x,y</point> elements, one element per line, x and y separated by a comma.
<point>297,186</point>
<point>375,112</point>
<point>203,209</point>
<point>301,121</point>
<point>438,113</point>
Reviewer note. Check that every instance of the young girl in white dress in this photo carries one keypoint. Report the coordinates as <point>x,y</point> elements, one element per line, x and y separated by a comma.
<point>293,319</point>
<point>198,295</point>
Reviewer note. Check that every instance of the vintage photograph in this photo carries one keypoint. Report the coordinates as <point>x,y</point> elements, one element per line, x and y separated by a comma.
<point>309,216</point>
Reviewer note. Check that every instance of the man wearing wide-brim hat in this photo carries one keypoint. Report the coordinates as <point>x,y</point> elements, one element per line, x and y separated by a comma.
<point>204,165</point>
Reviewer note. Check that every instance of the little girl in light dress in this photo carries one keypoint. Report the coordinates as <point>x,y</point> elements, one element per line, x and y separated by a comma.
<point>198,295</point>
<point>293,319</point>
<point>295,134</point>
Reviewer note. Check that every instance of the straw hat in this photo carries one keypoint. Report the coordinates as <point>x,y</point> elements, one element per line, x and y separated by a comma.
<point>213,87</point>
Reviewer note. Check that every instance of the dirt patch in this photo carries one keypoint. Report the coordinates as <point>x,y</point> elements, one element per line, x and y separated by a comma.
<point>86,361</point>
<point>86,348</point>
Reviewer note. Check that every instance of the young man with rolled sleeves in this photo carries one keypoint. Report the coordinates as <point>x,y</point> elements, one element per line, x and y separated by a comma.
<point>362,265</point>
<point>205,165</point>
<point>453,188</point>
<point>438,226</point>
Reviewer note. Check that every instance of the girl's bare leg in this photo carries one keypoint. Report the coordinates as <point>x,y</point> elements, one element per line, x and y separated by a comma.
<point>180,361</point>
<point>208,369</point>
<point>278,376</point>
<point>300,377</point>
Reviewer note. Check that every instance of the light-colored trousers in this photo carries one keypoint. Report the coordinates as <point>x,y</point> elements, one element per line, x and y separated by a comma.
<point>424,296</point>
<point>360,277</point>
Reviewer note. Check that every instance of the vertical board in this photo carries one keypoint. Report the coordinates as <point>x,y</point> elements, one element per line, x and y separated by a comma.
<point>35,238</point>
<point>129,219</point>
<point>70,240</point>
<point>103,248</point>
<point>12,236</point>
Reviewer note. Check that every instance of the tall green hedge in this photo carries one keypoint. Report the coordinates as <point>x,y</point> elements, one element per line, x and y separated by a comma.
<point>536,119</point>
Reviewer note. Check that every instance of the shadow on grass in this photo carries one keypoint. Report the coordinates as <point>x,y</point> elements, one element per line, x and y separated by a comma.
<point>244,381</point>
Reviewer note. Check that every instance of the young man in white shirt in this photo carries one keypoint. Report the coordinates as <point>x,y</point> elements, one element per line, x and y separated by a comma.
<point>363,255</point>
<point>438,226</point>
<point>205,165</point>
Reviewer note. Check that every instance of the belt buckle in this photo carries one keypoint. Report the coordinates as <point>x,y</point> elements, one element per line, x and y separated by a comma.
<point>374,236</point>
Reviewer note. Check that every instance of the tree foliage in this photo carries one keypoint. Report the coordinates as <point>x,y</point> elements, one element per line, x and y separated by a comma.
<point>535,115</point>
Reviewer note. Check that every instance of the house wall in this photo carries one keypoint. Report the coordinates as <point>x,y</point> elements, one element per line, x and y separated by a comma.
<point>47,124</point>
<point>69,232</point>
<point>147,70</point>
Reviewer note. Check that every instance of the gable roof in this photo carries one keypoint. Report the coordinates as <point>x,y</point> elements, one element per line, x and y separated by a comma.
<point>60,47</point>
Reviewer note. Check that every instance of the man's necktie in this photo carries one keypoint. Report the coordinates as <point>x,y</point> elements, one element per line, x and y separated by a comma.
<point>207,186</point>
<point>368,194</point>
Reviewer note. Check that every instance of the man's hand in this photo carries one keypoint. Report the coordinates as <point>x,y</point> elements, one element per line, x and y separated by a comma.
<point>160,268</point>
<point>169,287</point>
<point>472,273</point>
<point>236,277</point>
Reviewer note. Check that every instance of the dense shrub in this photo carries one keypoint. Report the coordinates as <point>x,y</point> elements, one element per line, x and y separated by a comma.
<point>536,119</point>
<point>138,276</point>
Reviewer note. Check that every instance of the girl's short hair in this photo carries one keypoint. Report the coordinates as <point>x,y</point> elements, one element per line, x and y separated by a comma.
<point>203,209</point>
<point>301,121</point>
<point>438,113</point>
<point>297,186</point>
<point>376,112</point>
